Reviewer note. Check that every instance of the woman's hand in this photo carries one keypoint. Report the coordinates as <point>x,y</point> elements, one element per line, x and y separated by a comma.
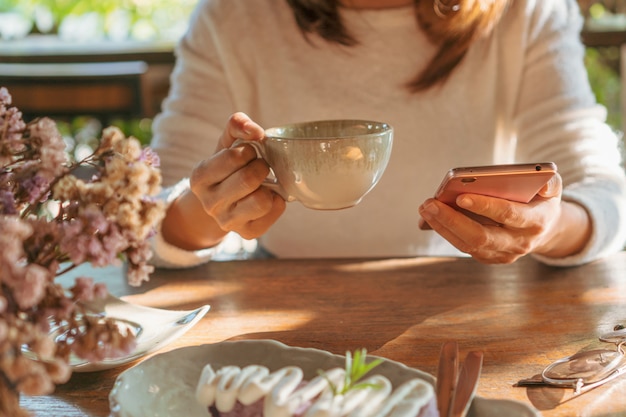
<point>546,225</point>
<point>225,193</point>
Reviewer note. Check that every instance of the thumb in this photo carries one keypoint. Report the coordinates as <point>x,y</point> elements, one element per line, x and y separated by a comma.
<point>553,187</point>
<point>240,126</point>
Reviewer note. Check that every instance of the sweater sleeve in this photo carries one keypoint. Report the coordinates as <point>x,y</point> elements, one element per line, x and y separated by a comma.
<point>557,118</point>
<point>169,256</point>
<point>604,203</point>
<point>166,255</point>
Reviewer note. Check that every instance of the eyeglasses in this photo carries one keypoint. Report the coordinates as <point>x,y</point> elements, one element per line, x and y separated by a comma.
<point>586,370</point>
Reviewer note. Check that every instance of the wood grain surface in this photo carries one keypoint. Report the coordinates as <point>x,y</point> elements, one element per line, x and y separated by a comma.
<point>522,316</point>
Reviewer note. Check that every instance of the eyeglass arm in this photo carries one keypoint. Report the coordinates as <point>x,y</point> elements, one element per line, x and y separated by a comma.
<point>578,385</point>
<point>581,388</point>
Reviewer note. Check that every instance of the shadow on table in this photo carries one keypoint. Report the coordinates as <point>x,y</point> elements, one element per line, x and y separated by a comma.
<point>546,398</point>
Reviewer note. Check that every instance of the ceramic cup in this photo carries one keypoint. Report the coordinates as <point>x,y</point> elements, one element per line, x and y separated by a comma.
<point>327,164</point>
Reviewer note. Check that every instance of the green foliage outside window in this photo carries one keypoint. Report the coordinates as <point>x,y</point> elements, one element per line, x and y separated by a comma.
<point>138,19</point>
<point>603,69</point>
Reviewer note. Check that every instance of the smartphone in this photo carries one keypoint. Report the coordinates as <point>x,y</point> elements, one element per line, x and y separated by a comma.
<point>515,182</point>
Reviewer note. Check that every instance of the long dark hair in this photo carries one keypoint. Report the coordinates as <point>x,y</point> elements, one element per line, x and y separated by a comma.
<point>453,25</point>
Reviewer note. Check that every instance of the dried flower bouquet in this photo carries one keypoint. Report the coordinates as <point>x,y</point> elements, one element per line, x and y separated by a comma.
<point>52,221</point>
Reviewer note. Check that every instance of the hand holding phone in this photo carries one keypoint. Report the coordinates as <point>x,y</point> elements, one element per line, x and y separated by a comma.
<point>514,182</point>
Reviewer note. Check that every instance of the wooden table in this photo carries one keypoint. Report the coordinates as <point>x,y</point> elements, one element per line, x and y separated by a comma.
<point>523,316</point>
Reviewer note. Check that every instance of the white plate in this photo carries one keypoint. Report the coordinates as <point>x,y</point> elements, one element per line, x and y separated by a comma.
<point>164,385</point>
<point>154,328</point>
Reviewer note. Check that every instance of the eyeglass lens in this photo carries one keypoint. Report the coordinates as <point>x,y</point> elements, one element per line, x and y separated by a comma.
<point>588,366</point>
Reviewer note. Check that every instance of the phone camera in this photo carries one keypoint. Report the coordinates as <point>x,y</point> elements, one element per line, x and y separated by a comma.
<point>537,167</point>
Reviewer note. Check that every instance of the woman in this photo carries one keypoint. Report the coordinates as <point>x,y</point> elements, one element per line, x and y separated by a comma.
<point>463,82</point>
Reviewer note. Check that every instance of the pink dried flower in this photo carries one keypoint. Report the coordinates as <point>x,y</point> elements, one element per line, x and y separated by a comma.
<point>29,285</point>
<point>46,145</point>
<point>99,221</point>
<point>150,157</point>
<point>7,202</point>
<point>85,289</point>
<point>5,98</point>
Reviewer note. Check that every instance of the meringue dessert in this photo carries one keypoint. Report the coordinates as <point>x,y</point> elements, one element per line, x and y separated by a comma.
<point>254,391</point>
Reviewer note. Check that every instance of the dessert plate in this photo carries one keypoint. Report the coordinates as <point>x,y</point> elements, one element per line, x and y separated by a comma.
<point>164,385</point>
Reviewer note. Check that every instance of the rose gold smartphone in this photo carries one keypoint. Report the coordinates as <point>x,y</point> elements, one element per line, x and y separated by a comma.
<point>515,182</point>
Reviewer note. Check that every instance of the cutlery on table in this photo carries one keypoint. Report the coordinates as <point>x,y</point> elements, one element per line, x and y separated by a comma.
<point>456,386</point>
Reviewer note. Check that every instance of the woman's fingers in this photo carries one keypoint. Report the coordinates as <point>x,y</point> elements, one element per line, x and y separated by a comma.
<point>222,183</point>
<point>553,188</point>
<point>269,207</point>
<point>239,126</point>
<point>224,164</point>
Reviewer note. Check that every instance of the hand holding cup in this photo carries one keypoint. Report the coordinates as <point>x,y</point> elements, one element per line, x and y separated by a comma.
<point>325,165</point>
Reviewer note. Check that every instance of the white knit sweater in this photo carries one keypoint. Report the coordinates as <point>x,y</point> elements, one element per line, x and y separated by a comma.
<point>521,95</point>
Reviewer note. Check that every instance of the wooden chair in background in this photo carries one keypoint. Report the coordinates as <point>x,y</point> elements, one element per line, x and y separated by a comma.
<point>64,90</point>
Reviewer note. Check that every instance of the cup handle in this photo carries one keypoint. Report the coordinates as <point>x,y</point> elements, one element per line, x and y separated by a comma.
<point>270,182</point>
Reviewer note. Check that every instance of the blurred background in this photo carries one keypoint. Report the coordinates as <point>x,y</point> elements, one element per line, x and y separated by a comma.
<point>83,20</point>
<point>126,46</point>
<point>78,39</point>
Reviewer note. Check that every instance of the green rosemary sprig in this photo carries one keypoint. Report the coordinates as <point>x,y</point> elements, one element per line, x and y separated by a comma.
<point>356,368</point>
